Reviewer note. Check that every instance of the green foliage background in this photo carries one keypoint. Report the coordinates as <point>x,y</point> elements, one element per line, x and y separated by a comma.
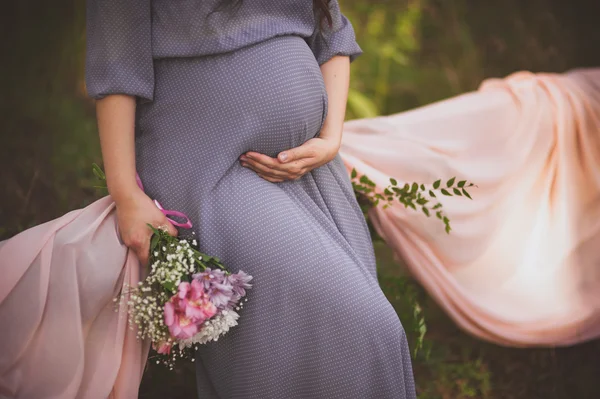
<point>415,52</point>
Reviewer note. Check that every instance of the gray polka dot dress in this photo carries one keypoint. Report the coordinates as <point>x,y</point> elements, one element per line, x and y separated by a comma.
<point>211,84</point>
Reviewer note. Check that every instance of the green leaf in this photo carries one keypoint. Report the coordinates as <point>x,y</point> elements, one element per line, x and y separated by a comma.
<point>169,285</point>
<point>445,192</point>
<point>432,194</point>
<point>98,175</point>
<point>98,171</point>
<point>422,187</point>
<point>462,183</point>
<point>437,206</point>
<point>154,242</point>
<point>439,215</point>
<point>414,188</point>
<point>387,191</point>
<point>353,174</point>
<point>155,230</point>
<point>436,184</point>
<point>422,201</point>
<point>425,211</point>
<point>466,194</point>
<point>448,229</point>
<point>450,182</point>
<point>363,179</point>
<point>394,181</point>
<point>457,191</point>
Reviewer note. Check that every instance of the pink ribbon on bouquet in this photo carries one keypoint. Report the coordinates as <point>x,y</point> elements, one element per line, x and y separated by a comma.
<point>187,224</point>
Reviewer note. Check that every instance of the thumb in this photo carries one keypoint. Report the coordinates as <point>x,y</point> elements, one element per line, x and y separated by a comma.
<point>292,154</point>
<point>285,156</point>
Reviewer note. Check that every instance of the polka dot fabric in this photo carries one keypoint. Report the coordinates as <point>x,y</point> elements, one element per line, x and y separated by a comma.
<point>316,324</point>
<point>125,36</point>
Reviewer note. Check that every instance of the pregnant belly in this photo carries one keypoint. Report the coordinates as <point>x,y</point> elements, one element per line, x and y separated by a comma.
<point>266,97</point>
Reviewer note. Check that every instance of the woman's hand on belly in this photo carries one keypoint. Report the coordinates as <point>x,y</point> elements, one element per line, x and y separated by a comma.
<point>293,163</point>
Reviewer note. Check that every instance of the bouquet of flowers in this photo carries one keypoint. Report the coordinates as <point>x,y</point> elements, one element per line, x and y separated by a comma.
<point>187,298</point>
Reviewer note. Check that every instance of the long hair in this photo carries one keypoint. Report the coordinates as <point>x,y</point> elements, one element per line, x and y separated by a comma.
<point>321,7</point>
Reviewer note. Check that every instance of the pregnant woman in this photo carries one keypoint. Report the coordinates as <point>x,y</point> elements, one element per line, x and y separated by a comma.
<point>232,113</point>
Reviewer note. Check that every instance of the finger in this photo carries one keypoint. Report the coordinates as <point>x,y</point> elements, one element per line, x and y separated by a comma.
<point>271,179</point>
<point>166,225</point>
<point>171,229</point>
<point>273,167</point>
<point>143,250</point>
<point>262,159</point>
<point>291,170</point>
<point>263,169</point>
<point>296,169</point>
<point>306,150</point>
<point>142,255</point>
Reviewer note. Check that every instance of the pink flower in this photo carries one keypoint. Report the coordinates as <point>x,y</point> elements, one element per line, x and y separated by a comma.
<point>183,289</point>
<point>179,325</point>
<point>188,309</point>
<point>199,307</point>
<point>163,348</point>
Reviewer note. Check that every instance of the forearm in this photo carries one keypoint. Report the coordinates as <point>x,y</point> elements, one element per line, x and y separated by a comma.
<point>336,75</point>
<point>116,120</point>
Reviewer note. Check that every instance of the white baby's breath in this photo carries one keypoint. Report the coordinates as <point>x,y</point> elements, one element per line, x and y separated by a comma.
<point>212,329</point>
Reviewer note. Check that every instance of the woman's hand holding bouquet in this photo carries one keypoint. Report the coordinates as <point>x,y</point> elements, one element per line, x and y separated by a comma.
<point>188,297</point>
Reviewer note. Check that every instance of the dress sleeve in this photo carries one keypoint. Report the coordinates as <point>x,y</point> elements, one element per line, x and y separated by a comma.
<point>118,56</point>
<point>339,39</point>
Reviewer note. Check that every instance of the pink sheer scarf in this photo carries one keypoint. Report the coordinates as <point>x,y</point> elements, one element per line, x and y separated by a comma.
<point>520,267</point>
<point>61,334</point>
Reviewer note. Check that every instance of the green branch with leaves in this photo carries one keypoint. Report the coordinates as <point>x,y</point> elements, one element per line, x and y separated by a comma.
<point>411,195</point>
<point>99,173</point>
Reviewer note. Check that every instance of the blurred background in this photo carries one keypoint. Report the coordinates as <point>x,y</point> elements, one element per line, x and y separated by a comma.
<point>415,52</point>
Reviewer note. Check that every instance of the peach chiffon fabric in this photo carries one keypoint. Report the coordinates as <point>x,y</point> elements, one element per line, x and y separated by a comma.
<point>521,266</point>
<point>60,336</point>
